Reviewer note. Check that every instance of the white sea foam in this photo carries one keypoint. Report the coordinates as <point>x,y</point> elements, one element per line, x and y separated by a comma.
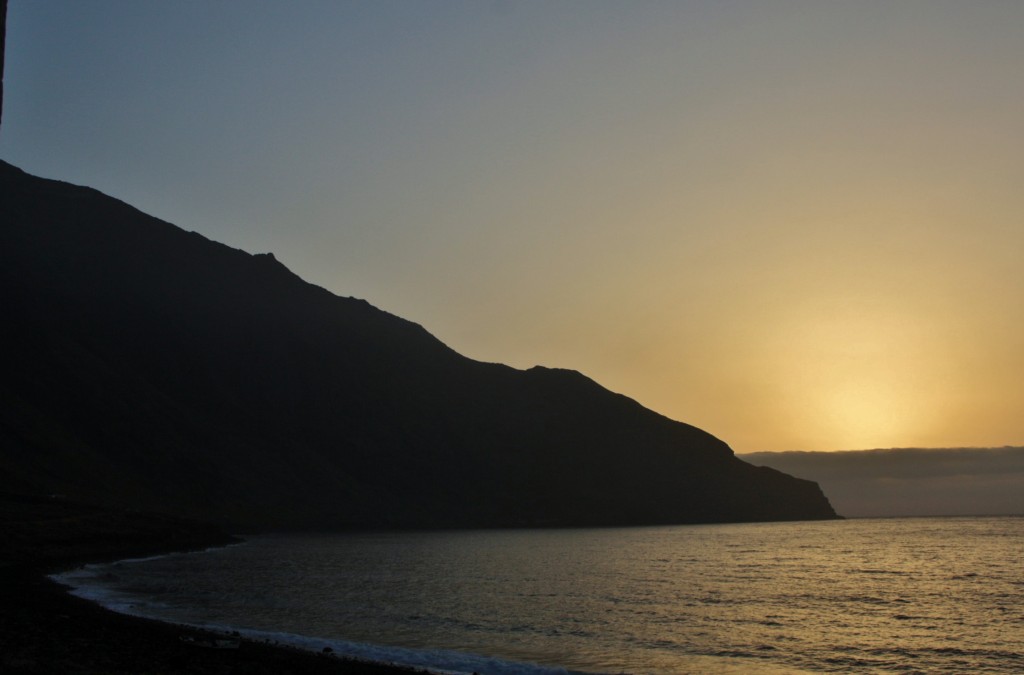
<point>434,660</point>
<point>91,582</point>
<point>95,582</point>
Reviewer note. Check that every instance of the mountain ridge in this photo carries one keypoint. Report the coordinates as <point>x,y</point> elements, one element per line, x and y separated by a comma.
<point>159,369</point>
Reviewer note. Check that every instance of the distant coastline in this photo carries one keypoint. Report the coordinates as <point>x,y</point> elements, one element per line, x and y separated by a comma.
<point>910,481</point>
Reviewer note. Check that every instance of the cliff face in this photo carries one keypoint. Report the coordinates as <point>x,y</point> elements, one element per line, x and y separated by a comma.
<point>149,367</point>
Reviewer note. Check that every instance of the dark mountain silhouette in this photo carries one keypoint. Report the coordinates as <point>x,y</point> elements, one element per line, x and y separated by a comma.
<point>146,366</point>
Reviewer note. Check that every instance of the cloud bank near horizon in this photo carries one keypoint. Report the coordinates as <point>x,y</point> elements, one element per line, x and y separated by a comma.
<point>911,481</point>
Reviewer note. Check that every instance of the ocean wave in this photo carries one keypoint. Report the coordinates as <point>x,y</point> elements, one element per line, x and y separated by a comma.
<point>89,582</point>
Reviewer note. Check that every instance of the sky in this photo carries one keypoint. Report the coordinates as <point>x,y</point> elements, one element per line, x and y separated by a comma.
<point>798,225</point>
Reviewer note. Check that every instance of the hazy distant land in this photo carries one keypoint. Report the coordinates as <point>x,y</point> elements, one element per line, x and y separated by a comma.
<point>911,481</point>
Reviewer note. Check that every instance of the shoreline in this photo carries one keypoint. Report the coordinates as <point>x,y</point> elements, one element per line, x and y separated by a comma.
<point>46,629</point>
<point>375,658</point>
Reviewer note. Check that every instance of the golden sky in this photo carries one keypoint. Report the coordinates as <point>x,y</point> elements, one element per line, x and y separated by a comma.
<point>797,225</point>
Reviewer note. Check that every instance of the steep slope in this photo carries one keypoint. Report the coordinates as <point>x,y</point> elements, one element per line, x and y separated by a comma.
<point>150,367</point>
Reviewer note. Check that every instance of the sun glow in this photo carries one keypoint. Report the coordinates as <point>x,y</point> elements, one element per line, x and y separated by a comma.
<point>861,376</point>
<point>864,413</point>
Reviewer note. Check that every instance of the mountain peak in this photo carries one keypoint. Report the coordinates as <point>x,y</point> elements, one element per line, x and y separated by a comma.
<point>157,369</point>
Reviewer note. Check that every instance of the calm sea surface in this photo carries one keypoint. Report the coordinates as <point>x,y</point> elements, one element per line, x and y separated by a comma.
<point>930,595</point>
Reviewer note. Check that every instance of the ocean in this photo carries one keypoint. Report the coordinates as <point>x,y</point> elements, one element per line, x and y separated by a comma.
<point>915,595</point>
